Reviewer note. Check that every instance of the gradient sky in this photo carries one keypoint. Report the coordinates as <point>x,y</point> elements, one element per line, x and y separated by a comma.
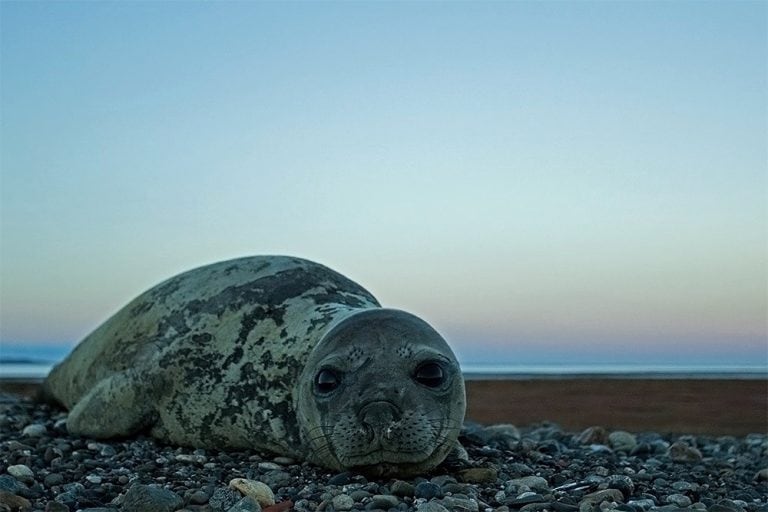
<point>575,182</point>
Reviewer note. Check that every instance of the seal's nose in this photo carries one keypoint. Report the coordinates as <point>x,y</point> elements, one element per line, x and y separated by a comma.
<point>379,415</point>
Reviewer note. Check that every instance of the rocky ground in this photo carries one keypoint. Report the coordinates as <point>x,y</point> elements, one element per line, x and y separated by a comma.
<point>533,469</point>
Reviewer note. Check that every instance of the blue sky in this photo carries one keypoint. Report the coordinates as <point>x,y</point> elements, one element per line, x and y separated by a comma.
<point>554,180</point>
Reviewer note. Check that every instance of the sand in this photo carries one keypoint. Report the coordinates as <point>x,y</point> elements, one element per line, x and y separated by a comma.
<point>695,406</point>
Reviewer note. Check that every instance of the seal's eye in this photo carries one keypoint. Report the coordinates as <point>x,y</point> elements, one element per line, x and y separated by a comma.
<point>326,381</point>
<point>430,374</point>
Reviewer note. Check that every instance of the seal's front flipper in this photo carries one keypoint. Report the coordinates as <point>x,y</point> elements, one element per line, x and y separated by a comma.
<point>117,406</point>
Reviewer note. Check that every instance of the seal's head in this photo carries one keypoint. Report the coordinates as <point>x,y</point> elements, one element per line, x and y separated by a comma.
<point>382,393</point>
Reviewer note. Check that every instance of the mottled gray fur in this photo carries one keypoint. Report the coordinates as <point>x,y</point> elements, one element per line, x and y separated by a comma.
<point>227,356</point>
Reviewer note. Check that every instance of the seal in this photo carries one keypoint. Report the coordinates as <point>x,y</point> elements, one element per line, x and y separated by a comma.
<point>271,353</point>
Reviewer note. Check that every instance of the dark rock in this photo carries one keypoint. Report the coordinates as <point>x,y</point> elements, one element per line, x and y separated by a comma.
<point>10,484</point>
<point>682,452</point>
<point>622,483</point>
<point>223,498</point>
<point>55,506</point>
<point>725,505</point>
<point>246,504</point>
<point>478,475</point>
<point>340,479</point>
<point>427,490</point>
<point>402,488</point>
<point>53,479</point>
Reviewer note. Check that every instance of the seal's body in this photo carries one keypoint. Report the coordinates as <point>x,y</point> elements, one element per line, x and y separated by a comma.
<point>271,353</point>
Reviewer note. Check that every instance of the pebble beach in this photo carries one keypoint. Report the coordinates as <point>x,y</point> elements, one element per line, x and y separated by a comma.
<point>534,468</point>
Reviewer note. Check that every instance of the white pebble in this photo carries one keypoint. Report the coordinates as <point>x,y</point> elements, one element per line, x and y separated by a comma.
<point>21,472</point>
<point>34,430</point>
<point>94,479</point>
<point>255,489</point>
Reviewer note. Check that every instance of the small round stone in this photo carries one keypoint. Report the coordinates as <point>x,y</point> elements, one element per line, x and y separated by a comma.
<point>385,501</point>
<point>402,488</point>
<point>147,498</point>
<point>342,502</point>
<point>682,452</point>
<point>53,479</point>
<point>21,473</point>
<point>255,489</point>
<point>622,441</point>
<point>427,490</point>
<point>478,475</point>
<point>680,500</point>
<point>34,430</point>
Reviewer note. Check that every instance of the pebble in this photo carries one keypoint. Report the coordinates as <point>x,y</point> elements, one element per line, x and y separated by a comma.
<point>385,501</point>
<point>457,504</point>
<point>342,502</point>
<point>682,452</point>
<point>680,500</point>
<point>478,475</point>
<point>535,483</point>
<point>146,498</point>
<point>223,498</point>
<point>55,506</point>
<point>21,473</point>
<point>255,489</point>
<point>402,488</point>
<point>246,504</point>
<point>622,441</point>
<point>10,484</point>
<point>94,479</point>
<point>591,501</point>
<point>431,506</point>
<point>427,490</point>
<point>34,430</point>
<point>270,466</point>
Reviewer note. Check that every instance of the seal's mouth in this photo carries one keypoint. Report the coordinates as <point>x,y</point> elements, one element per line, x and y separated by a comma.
<point>381,457</point>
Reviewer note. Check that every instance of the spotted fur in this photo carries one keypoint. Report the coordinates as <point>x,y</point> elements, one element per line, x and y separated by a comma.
<point>214,357</point>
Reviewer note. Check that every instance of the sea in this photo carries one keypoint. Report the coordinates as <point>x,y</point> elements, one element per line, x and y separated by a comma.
<point>33,362</point>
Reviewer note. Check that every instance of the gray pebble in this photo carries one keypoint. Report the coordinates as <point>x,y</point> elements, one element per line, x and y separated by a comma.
<point>431,506</point>
<point>223,498</point>
<point>270,466</point>
<point>427,490</point>
<point>34,430</point>
<point>456,504</point>
<point>21,473</point>
<point>725,505</point>
<point>535,483</point>
<point>53,479</point>
<point>682,452</point>
<point>198,498</point>
<point>402,488</point>
<point>146,498</point>
<point>680,500</point>
<point>246,504</point>
<point>622,441</point>
<point>385,501</point>
<point>342,502</point>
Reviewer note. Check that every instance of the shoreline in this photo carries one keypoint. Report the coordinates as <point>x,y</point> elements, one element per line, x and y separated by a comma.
<point>696,405</point>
